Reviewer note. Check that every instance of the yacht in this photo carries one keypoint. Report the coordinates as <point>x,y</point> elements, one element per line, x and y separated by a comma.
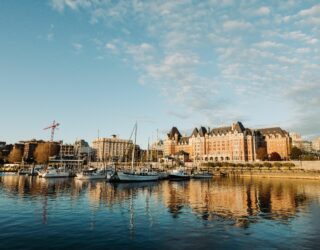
<point>51,172</point>
<point>179,174</point>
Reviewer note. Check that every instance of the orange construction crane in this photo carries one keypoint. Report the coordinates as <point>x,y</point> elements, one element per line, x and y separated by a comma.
<point>53,127</point>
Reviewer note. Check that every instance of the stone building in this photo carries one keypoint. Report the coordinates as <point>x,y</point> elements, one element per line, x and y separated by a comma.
<point>232,143</point>
<point>277,140</point>
<point>113,148</point>
<point>67,150</point>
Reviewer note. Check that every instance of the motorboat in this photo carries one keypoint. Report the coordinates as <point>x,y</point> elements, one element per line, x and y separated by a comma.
<point>179,174</point>
<point>52,172</point>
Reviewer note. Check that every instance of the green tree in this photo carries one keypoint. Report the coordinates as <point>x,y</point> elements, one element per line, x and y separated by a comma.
<point>15,155</point>
<point>295,153</point>
<point>44,151</point>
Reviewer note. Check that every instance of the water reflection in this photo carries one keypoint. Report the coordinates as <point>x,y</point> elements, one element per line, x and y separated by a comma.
<point>241,201</point>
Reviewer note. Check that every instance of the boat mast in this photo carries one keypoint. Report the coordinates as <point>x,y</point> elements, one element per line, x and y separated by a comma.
<point>134,145</point>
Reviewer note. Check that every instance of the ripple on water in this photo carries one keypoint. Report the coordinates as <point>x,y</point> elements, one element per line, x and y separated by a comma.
<point>223,213</point>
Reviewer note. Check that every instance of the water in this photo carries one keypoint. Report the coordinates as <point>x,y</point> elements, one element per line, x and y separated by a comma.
<point>237,213</point>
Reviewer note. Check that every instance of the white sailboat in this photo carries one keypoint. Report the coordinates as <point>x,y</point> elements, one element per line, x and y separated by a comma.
<point>136,176</point>
<point>51,172</point>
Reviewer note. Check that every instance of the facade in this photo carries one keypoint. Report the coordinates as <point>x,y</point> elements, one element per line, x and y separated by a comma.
<point>277,140</point>
<point>114,148</point>
<point>316,144</point>
<point>296,140</point>
<point>232,143</point>
<point>67,150</point>
<point>29,149</point>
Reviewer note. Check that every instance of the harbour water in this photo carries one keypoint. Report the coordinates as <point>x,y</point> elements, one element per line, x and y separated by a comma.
<point>237,213</point>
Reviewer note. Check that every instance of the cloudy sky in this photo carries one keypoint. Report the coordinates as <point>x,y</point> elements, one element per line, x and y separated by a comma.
<point>103,64</point>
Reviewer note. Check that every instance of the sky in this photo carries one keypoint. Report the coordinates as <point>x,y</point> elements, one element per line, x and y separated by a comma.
<point>101,65</point>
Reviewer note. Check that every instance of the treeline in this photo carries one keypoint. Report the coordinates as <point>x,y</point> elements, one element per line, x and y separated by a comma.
<point>267,165</point>
<point>299,154</point>
<point>41,153</point>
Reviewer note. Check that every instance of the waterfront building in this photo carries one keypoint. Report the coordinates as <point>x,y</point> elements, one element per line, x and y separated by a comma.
<point>67,150</point>
<point>29,149</point>
<point>277,140</point>
<point>114,148</point>
<point>316,144</point>
<point>231,143</point>
<point>296,139</point>
<point>306,146</point>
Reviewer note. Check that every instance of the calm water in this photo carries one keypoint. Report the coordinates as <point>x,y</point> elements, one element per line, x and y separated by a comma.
<point>221,213</point>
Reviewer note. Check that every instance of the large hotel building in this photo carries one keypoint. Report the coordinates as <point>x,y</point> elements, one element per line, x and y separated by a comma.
<point>114,147</point>
<point>233,143</point>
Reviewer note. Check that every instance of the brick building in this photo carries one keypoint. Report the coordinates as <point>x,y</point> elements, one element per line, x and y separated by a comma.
<point>232,143</point>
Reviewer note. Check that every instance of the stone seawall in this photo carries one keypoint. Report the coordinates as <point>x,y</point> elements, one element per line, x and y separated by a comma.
<point>295,174</point>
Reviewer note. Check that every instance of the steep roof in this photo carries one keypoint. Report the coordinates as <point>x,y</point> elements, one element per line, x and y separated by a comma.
<point>273,131</point>
<point>202,131</point>
<point>184,139</point>
<point>173,132</point>
<point>195,132</point>
<point>224,130</point>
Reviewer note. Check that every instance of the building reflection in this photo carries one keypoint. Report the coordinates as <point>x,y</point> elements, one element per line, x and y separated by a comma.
<point>240,200</point>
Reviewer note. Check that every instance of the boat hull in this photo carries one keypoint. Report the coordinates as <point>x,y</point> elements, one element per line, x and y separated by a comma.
<point>202,176</point>
<point>60,175</point>
<point>92,177</point>
<point>129,177</point>
<point>178,177</point>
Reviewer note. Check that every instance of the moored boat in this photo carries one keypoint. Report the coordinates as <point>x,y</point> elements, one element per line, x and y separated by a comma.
<point>137,176</point>
<point>92,174</point>
<point>51,172</point>
<point>202,175</point>
<point>179,174</point>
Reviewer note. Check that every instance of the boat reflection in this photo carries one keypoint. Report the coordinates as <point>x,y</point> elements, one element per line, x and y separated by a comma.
<point>240,200</point>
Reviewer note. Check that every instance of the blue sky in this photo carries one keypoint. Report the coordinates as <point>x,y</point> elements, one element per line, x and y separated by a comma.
<point>102,64</point>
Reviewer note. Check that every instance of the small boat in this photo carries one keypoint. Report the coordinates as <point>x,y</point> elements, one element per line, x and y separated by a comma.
<point>92,174</point>
<point>178,174</point>
<point>24,171</point>
<point>144,175</point>
<point>51,172</point>
<point>202,175</point>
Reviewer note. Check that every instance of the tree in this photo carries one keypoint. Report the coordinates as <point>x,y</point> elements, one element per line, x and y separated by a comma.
<point>262,154</point>
<point>274,156</point>
<point>295,153</point>
<point>15,155</point>
<point>44,151</point>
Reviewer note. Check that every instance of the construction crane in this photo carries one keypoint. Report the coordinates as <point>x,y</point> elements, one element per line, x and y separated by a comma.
<point>53,127</point>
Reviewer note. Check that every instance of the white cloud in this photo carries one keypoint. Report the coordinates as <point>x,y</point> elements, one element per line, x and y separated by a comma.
<point>268,44</point>
<point>213,57</point>
<point>303,50</point>
<point>263,11</point>
<point>72,4</point>
<point>111,47</point>
<point>314,10</point>
<point>236,25</point>
<point>77,47</point>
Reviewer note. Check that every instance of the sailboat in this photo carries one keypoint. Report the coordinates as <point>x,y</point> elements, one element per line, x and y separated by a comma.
<point>134,176</point>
